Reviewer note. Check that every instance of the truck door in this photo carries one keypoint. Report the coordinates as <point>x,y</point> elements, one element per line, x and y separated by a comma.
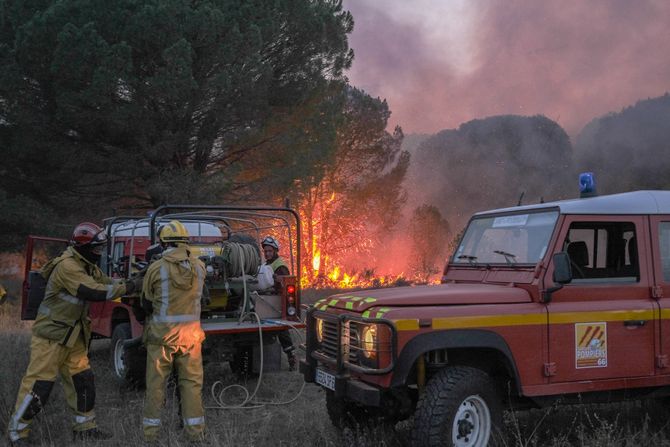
<point>39,250</point>
<point>602,325</point>
<point>660,240</point>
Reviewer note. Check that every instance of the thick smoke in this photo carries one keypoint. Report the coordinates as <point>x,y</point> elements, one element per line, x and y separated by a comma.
<point>629,150</point>
<point>485,164</point>
<point>443,63</point>
<point>489,163</point>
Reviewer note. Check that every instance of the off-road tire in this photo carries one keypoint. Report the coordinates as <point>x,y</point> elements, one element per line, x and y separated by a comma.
<point>134,360</point>
<point>458,391</point>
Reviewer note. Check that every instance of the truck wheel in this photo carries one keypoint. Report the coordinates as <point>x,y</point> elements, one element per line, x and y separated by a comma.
<point>129,365</point>
<point>344,414</point>
<point>460,407</point>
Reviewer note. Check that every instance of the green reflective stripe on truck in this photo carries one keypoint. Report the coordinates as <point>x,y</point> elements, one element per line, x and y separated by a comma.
<point>381,312</point>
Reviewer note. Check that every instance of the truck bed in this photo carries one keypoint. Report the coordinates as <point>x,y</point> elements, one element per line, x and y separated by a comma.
<point>232,326</point>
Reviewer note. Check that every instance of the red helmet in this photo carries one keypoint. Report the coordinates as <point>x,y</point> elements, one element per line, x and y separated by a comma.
<point>88,233</point>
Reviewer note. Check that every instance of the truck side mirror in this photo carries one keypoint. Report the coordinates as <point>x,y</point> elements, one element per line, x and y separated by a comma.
<point>562,268</point>
<point>562,274</point>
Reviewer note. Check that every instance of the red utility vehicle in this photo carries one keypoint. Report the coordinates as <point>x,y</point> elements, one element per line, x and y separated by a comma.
<point>564,300</point>
<point>219,235</point>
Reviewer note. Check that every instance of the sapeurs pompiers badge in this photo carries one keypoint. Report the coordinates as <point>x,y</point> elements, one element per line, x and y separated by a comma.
<point>591,345</point>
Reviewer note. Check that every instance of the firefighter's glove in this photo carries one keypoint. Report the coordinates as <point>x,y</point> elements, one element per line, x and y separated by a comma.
<point>138,281</point>
<point>140,314</point>
<point>153,253</point>
<point>133,285</point>
<point>130,287</point>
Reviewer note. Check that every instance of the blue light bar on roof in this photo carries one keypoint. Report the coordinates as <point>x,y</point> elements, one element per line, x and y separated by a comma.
<point>587,185</point>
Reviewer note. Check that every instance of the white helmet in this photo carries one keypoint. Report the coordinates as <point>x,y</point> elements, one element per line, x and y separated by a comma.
<point>270,241</point>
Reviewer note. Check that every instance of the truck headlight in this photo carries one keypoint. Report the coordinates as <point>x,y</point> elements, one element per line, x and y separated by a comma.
<point>319,330</point>
<point>369,341</point>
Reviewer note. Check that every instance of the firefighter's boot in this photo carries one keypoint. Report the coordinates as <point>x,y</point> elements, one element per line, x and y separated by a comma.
<point>35,387</point>
<point>92,434</point>
<point>21,442</point>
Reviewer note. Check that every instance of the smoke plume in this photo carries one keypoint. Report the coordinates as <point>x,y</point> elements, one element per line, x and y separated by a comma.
<point>443,63</point>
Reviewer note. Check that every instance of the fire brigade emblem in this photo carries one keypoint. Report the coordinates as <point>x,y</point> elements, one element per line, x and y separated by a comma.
<point>590,345</point>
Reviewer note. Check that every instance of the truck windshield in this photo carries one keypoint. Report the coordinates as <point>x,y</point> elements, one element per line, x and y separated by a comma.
<point>510,239</point>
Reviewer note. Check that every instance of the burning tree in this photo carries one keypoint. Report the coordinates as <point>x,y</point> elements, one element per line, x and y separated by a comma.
<point>430,235</point>
<point>356,197</point>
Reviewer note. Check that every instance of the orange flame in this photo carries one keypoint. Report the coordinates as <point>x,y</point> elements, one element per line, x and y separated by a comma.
<point>316,260</point>
<point>323,269</point>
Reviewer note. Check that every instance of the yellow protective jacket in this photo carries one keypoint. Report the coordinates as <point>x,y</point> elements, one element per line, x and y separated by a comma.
<point>173,285</point>
<point>279,262</point>
<point>72,282</point>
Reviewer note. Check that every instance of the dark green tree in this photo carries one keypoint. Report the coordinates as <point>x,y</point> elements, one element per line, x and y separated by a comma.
<point>136,103</point>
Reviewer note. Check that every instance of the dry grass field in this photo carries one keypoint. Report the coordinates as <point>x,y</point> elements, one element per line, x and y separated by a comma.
<point>301,423</point>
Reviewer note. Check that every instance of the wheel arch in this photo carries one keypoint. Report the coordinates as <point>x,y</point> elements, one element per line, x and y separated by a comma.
<point>120,315</point>
<point>466,343</point>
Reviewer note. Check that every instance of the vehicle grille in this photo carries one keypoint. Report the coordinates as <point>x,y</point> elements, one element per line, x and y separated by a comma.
<point>330,339</point>
<point>353,344</point>
<point>350,348</point>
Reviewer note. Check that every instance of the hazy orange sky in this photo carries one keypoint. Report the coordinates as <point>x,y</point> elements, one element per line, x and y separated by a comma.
<point>442,62</point>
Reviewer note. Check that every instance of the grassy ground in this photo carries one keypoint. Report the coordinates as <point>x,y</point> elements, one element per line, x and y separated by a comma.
<point>303,422</point>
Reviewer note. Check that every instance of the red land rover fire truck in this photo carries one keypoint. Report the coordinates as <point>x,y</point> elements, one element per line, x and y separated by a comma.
<point>565,301</point>
<point>219,235</point>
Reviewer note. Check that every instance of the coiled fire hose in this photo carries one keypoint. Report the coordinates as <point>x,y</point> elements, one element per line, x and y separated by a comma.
<point>241,259</point>
<point>241,252</point>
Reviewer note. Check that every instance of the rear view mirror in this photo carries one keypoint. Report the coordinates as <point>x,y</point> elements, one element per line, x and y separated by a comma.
<point>562,268</point>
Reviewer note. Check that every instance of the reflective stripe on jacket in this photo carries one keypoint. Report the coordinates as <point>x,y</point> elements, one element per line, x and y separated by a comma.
<point>72,282</point>
<point>174,286</point>
<point>279,262</point>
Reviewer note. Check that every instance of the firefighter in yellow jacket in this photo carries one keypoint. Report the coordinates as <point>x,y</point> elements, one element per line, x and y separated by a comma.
<point>61,335</point>
<point>172,291</point>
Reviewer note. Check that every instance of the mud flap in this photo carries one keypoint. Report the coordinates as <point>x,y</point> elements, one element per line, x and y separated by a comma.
<point>271,358</point>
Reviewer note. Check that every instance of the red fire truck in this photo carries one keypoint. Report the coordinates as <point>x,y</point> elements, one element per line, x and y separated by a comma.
<point>238,288</point>
<point>560,302</point>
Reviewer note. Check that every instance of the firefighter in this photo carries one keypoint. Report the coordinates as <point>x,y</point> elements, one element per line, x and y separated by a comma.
<point>279,268</point>
<point>62,333</point>
<point>172,293</point>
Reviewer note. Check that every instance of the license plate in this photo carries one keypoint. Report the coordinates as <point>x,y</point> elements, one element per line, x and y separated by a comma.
<point>325,379</point>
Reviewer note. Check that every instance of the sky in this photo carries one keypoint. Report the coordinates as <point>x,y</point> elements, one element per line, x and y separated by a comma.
<point>440,63</point>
